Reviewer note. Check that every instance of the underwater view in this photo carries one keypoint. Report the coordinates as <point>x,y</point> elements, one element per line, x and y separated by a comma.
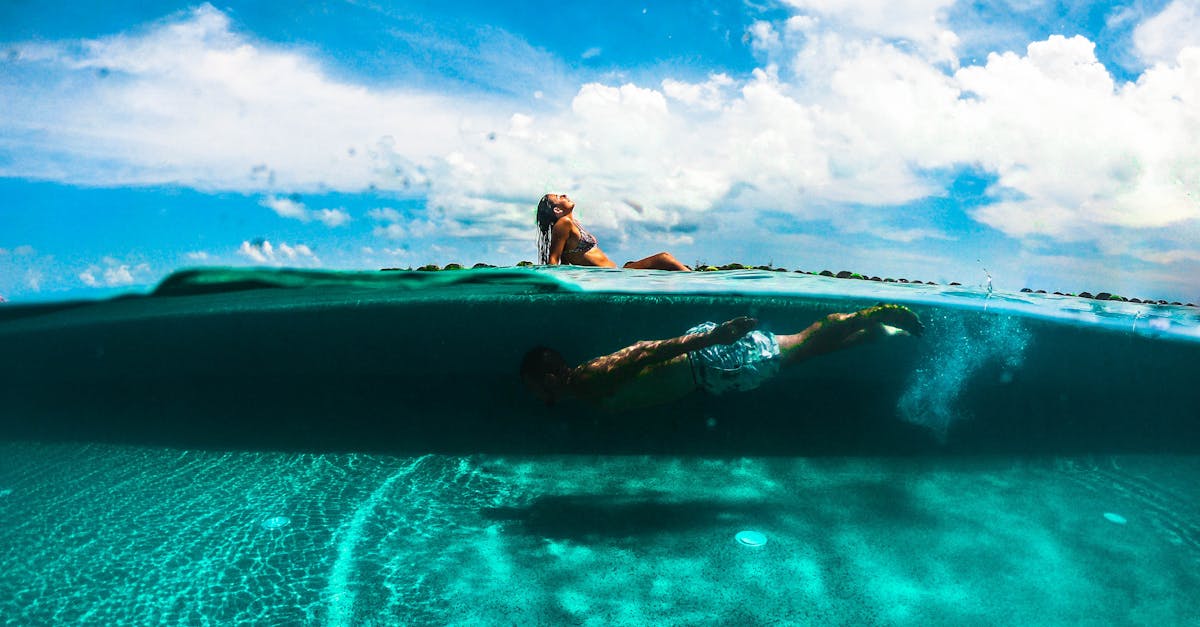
<point>291,447</point>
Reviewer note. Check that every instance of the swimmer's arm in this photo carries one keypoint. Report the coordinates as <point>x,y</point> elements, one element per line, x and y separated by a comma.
<point>558,240</point>
<point>627,362</point>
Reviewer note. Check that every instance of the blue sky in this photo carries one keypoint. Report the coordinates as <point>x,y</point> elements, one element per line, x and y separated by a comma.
<point>1056,144</point>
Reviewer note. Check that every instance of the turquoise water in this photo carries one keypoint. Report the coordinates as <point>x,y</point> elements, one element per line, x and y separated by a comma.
<point>279,448</point>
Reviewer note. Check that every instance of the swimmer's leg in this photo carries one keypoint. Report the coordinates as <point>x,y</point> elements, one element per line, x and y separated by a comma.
<point>839,331</point>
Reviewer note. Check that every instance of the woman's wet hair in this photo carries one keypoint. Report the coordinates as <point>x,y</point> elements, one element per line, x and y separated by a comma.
<point>545,213</point>
<point>545,219</point>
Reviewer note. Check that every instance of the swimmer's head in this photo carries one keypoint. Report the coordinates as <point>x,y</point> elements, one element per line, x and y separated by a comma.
<point>544,372</point>
<point>552,207</point>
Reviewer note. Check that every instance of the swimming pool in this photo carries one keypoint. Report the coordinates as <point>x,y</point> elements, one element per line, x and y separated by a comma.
<point>268,447</point>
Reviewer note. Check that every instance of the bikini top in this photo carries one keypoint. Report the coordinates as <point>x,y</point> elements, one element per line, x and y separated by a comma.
<point>587,241</point>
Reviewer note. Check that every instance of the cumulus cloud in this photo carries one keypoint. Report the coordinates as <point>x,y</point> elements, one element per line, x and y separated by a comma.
<point>113,273</point>
<point>1082,154</point>
<point>921,22</point>
<point>1161,38</point>
<point>286,208</point>
<point>384,214</point>
<point>198,255</point>
<point>390,231</point>
<point>332,217</point>
<point>192,101</point>
<point>264,252</point>
<point>296,210</point>
<point>708,95</point>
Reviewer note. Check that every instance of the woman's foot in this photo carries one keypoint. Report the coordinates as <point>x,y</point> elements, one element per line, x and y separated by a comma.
<point>895,316</point>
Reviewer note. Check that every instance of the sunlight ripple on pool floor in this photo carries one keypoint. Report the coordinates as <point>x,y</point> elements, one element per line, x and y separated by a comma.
<point>105,535</point>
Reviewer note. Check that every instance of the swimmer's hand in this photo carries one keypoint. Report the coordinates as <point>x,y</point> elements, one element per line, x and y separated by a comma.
<point>896,316</point>
<point>733,330</point>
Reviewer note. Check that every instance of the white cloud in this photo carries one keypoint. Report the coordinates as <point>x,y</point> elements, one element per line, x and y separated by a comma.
<point>921,22</point>
<point>112,272</point>
<point>763,37</point>
<point>1167,257</point>
<point>295,252</point>
<point>390,231</point>
<point>198,255</point>
<point>1161,38</point>
<point>119,275</point>
<point>391,227</point>
<point>1083,153</point>
<point>707,95</point>
<point>289,208</point>
<point>332,217</point>
<point>384,214</point>
<point>194,102</point>
<point>263,252</point>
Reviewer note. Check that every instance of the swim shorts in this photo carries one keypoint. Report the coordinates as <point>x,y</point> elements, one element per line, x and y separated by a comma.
<point>742,365</point>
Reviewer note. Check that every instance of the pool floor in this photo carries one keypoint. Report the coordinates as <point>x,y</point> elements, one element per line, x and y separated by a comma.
<point>104,534</point>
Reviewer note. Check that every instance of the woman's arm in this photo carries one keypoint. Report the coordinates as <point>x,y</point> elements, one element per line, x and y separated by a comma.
<point>559,234</point>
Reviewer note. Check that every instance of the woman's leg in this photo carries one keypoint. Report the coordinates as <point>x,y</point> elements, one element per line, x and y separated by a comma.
<point>661,261</point>
<point>843,330</point>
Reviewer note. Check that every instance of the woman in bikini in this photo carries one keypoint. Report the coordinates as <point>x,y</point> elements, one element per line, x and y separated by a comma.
<point>564,241</point>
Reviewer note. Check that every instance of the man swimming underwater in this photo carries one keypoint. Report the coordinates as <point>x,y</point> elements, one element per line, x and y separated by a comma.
<point>713,357</point>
